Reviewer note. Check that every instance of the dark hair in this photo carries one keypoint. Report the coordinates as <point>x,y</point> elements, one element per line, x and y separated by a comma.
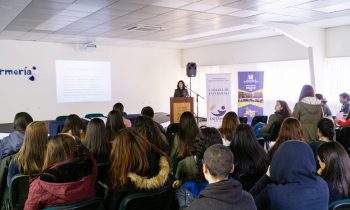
<point>285,112</point>
<point>337,169</point>
<point>96,138</point>
<point>290,130</point>
<point>209,136</point>
<point>21,121</point>
<point>147,111</point>
<point>183,84</point>
<point>188,132</point>
<point>229,125</point>
<point>130,154</point>
<point>74,124</point>
<point>250,156</point>
<point>219,160</point>
<point>119,106</point>
<point>345,96</point>
<point>150,131</point>
<point>326,127</point>
<point>114,124</point>
<point>306,91</point>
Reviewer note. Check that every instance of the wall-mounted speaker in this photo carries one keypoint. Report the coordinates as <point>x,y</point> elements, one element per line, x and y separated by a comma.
<point>191,69</point>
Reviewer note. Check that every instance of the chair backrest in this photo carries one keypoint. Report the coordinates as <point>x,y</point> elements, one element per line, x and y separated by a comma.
<point>257,119</point>
<point>275,129</point>
<point>4,165</point>
<point>343,204</point>
<point>344,138</point>
<point>93,115</point>
<point>243,120</point>
<point>90,204</point>
<point>18,192</point>
<point>160,200</point>
<point>61,118</point>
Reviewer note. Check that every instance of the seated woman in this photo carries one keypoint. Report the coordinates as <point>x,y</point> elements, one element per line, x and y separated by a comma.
<point>30,158</point>
<point>325,132</point>
<point>343,121</point>
<point>73,125</point>
<point>282,111</point>
<point>136,165</point>
<point>66,178</point>
<point>250,159</point>
<point>335,169</point>
<point>228,127</point>
<point>113,124</point>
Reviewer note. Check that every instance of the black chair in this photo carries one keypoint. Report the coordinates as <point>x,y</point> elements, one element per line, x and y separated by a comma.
<point>243,120</point>
<point>61,118</point>
<point>18,191</point>
<point>93,115</point>
<point>160,200</point>
<point>258,119</point>
<point>90,204</point>
<point>344,138</point>
<point>343,204</point>
<point>275,129</point>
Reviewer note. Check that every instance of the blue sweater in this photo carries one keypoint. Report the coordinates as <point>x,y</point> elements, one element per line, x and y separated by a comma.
<point>11,144</point>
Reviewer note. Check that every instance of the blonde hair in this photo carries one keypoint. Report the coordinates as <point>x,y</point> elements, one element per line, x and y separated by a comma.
<point>30,157</point>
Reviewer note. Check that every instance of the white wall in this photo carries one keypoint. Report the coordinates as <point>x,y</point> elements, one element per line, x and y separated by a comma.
<point>277,48</point>
<point>337,41</point>
<point>140,77</point>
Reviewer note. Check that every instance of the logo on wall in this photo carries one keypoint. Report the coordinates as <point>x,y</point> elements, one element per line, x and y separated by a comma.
<point>217,112</point>
<point>28,72</point>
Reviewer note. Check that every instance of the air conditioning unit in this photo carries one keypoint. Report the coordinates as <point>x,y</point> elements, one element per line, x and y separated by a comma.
<point>90,46</point>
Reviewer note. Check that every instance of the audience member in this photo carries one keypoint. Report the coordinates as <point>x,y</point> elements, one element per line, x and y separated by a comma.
<point>30,158</point>
<point>136,165</point>
<point>114,124</point>
<point>325,133</point>
<point>290,130</point>
<point>282,111</point>
<point>13,142</point>
<point>228,127</point>
<point>343,121</point>
<point>326,109</point>
<point>308,111</point>
<point>222,193</point>
<point>293,183</point>
<point>66,178</point>
<point>251,160</point>
<point>335,169</point>
<point>344,99</point>
<point>73,125</point>
<point>148,111</point>
<point>96,140</point>
<point>120,107</point>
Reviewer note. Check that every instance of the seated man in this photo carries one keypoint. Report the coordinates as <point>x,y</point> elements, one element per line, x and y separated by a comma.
<point>221,193</point>
<point>344,99</point>
<point>148,111</point>
<point>12,143</point>
<point>120,107</point>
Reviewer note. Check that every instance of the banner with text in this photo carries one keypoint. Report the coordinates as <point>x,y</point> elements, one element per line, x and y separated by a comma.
<point>218,98</point>
<point>250,94</point>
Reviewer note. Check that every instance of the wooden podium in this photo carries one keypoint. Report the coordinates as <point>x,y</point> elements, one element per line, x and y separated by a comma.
<point>179,105</point>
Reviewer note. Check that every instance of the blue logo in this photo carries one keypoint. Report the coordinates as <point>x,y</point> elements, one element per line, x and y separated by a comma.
<point>19,72</point>
<point>220,112</point>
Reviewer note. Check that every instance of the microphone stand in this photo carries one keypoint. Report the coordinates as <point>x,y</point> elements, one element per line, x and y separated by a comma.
<point>197,95</point>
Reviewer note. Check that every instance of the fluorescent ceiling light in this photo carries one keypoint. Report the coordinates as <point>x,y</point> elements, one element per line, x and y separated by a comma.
<point>172,4</point>
<point>333,8</point>
<point>215,32</point>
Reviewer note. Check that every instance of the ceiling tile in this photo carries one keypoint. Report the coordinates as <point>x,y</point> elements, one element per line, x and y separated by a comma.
<point>245,13</point>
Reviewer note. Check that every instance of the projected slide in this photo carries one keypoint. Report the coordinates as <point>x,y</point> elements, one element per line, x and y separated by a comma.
<point>81,81</point>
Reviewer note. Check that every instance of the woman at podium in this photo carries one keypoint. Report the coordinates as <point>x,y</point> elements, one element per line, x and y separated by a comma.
<point>181,90</point>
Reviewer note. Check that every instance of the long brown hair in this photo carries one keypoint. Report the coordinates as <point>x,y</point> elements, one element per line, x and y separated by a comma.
<point>306,91</point>
<point>96,138</point>
<point>60,147</point>
<point>73,124</point>
<point>290,130</point>
<point>188,132</point>
<point>129,154</point>
<point>114,124</point>
<point>30,157</point>
<point>229,125</point>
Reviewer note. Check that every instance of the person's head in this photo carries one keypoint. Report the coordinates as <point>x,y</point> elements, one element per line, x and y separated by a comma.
<point>30,157</point>
<point>114,123</point>
<point>60,148</point>
<point>181,85</point>
<point>73,125</point>
<point>96,137</point>
<point>325,129</point>
<point>217,163</point>
<point>293,162</point>
<point>229,125</point>
<point>319,96</point>
<point>188,131</point>
<point>119,107</point>
<point>150,131</point>
<point>344,98</point>
<point>290,130</point>
<point>249,154</point>
<point>147,111</point>
<point>282,108</point>
<point>335,166</point>
<point>21,121</point>
<point>306,91</point>
<point>130,155</point>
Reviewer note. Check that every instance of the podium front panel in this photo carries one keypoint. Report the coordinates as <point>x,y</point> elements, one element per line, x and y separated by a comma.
<point>179,105</point>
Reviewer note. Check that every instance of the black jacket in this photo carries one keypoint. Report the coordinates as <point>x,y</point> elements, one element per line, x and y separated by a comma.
<point>223,195</point>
